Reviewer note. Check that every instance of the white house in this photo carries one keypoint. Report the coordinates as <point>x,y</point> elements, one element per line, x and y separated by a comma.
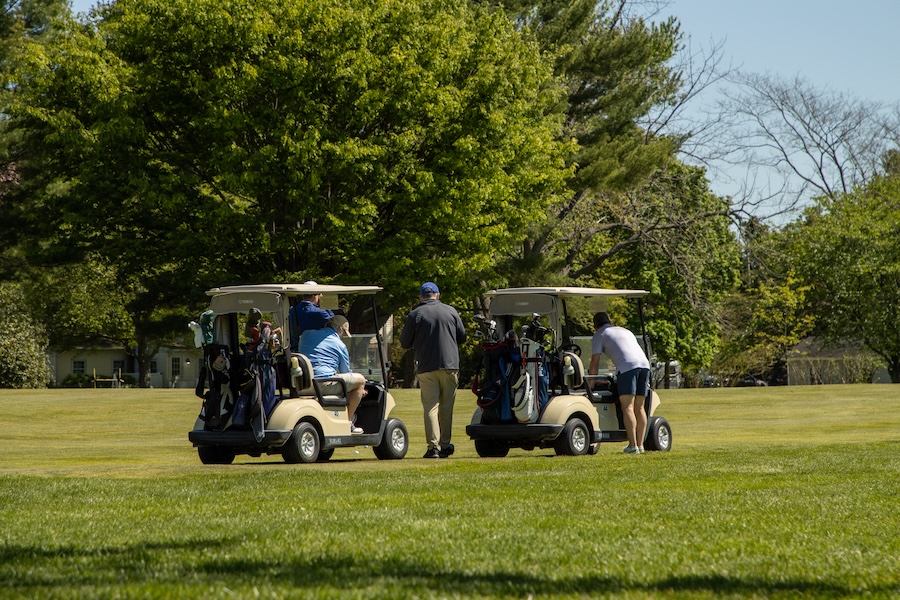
<point>810,362</point>
<point>112,367</point>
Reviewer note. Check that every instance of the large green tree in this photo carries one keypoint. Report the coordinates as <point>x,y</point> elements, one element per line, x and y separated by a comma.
<point>846,250</point>
<point>688,267</point>
<point>616,67</point>
<point>635,216</point>
<point>191,143</point>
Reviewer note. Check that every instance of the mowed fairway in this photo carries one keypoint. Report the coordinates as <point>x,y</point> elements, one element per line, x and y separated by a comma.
<point>768,493</point>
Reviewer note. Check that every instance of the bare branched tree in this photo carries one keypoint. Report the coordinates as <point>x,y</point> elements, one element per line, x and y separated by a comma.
<point>793,141</point>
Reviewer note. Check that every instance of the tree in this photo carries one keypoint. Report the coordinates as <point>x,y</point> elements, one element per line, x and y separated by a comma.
<point>846,251</point>
<point>689,268</point>
<point>800,142</point>
<point>635,215</point>
<point>191,144</point>
<point>615,70</point>
<point>23,343</point>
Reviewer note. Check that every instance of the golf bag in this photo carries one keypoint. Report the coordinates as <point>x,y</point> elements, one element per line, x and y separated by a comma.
<point>215,378</point>
<point>257,386</point>
<point>502,363</point>
<point>531,391</point>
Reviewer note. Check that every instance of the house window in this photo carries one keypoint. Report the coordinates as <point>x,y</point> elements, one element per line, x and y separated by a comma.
<point>176,366</point>
<point>118,367</point>
<point>154,368</point>
<point>78,367</point>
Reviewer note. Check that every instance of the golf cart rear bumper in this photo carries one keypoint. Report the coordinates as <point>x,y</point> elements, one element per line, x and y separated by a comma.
<point>514,432</point>
<point>243,438</point>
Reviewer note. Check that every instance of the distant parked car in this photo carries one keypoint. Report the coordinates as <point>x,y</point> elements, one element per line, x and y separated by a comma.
<point>751,381</point>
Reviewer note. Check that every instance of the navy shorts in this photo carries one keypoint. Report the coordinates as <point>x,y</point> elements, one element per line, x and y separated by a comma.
<point>635,382</point>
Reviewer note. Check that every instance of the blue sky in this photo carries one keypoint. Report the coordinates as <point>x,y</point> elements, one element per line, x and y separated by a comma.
<point>845,46</point>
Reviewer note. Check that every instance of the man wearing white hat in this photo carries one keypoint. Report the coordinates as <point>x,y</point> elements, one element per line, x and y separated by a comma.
<point>306,314</point>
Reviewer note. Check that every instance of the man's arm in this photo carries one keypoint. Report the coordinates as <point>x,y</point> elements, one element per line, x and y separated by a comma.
<point>343,358</point>
<point>407,335</point>
<point>460,330</point>
<point>595,364</point>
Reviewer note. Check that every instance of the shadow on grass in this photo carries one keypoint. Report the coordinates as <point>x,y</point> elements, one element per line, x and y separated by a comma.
<point>37,568</point>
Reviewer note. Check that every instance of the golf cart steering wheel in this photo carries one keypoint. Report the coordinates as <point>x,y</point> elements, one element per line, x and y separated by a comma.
<point>571,348</point>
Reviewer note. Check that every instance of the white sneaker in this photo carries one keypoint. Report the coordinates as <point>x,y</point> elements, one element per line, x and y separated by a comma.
<point>355,429</point>
<point>631,450</point>
<point>641,450</point>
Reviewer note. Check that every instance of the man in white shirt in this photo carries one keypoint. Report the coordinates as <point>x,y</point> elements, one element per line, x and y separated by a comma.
<point>632,375</point>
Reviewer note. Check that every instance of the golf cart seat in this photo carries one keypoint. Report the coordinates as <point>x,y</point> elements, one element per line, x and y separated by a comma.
<point>302,374</point>
<point>600,388</point>
<point>573,371</point>
<point>329,391</point>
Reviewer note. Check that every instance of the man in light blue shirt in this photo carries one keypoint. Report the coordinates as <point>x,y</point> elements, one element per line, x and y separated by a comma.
<point>330,358</point>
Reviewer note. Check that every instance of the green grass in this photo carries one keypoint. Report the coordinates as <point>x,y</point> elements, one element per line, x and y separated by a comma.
<point>768,493</point>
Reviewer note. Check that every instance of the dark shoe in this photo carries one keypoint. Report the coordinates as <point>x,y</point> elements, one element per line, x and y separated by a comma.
<point>444,453</point>
<point>432,453</point>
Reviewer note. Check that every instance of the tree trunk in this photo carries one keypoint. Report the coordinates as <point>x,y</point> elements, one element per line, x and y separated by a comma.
<point>894,369</point>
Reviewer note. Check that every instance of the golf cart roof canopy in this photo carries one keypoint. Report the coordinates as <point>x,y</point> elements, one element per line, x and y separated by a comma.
<point>526,301</point>
<point>268,297</point>
<point>569,292</point>
<point>295,289</point>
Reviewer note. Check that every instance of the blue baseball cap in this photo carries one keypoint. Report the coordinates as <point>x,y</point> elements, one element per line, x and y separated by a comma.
<point>429,288</point>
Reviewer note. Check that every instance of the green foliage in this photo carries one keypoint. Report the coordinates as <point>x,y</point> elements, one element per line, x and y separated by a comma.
<point>690,265</point>
<point>846,251</point>
<point>23,343</point>
<point>241,140</point>
<point>768,322</point>
<point>81,305</point>
<point>75,380</point>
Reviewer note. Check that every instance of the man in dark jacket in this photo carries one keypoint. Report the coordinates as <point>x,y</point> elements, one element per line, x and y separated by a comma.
<point>435,331</point>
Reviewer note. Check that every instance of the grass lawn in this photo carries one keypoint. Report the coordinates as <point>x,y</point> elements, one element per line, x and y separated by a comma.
<point>767,493</point>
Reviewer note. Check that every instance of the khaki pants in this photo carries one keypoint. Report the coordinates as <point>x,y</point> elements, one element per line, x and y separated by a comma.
<point>438,391</point>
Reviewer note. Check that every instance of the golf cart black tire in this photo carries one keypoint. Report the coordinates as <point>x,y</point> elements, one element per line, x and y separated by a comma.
<point>304,445</point>
<point>215,455</point>
<point>575,439</point>
<point>491,449</point>
<point>659,435</point>
<point>325,455</point>
<point>394,442</point>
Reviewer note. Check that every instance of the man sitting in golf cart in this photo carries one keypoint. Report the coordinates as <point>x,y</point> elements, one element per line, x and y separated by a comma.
<point>331,359</point>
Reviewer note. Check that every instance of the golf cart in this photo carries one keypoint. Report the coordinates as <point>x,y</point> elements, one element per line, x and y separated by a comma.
<point>535,392</point>
<point>259,397</point>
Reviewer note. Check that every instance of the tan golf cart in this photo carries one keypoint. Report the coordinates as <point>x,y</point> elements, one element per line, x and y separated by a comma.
<point>533,391</point>
<point>259,397</point>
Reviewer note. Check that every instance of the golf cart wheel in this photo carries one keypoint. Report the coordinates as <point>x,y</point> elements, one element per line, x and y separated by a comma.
<point>303,445</point>
<point>575,440</point>
<point>491,449</point>
<point>325,455</point>
<point>214,455</point>
<point>659,435</point>
<point>395,441</point>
